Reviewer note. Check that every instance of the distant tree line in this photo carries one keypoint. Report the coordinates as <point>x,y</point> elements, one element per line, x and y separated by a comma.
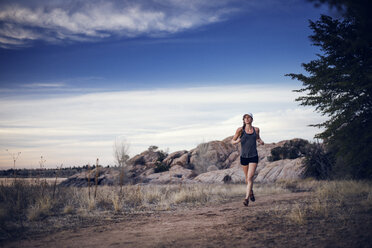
<point>63,172</point>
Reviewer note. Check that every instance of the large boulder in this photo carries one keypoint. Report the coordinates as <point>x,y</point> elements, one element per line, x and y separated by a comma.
<point>215,153</point>
<point>176,174</point>
<point>174,158</point>
<point>145,161</point>
<point>231,175</point>
<point>285,169</point>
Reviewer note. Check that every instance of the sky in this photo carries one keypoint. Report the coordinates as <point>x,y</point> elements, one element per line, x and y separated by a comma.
<point>78,76</point>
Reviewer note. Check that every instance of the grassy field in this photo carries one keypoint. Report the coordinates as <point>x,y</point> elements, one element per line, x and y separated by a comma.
<point>28,210</point>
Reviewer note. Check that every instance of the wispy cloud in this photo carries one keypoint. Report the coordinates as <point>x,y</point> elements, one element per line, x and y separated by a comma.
<point>58,21</point>
<point>44,85</point>
<point>77,129</point>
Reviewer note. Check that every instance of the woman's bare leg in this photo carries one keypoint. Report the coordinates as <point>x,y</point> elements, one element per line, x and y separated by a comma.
<point>251,170</point>
<point>245,169</point>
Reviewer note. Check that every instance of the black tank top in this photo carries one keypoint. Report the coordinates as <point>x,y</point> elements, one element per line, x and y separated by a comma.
<point>248,143</point>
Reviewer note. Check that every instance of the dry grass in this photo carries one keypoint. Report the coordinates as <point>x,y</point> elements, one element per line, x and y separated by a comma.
<point>298,214</point>
<point>21,201</point>
<point>308,184</point>
<point>367,203</point>
<point>23,204</point>
<point>68,209</point>
<point>41,208</point>
<point>334,200</point>
<point>35,181</point>
<point>268,189</point>
<point>341,191</point>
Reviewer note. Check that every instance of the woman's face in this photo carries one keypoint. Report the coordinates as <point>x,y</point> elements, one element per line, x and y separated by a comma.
<point>248,119</point>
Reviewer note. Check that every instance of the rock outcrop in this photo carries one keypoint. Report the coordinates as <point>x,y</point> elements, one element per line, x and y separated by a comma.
<point>106,176</point>
<point>212,162</point>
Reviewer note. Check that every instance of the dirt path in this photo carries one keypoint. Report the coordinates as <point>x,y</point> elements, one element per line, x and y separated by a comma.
<point>226,225</point>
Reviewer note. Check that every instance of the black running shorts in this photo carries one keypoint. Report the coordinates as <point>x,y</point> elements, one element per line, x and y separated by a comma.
<point>246,161</point>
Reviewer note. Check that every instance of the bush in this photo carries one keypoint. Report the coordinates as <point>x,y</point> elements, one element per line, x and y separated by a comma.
<point>290,150</point>
<point>140,161</point>
<point>161,155</point>
<point>160,167</point>
<point>318,163</point>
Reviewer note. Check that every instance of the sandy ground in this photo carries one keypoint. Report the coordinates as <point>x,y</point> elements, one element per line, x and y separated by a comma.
<point>262,224</point>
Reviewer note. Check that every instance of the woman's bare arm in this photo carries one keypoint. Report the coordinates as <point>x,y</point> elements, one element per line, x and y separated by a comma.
<point>236,139</point>
<point>259,140</point>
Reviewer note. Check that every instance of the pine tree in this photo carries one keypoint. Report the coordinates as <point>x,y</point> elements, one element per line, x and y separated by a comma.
<point>339,85</point>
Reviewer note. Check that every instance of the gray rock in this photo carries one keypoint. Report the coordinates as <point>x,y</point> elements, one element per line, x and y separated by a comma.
<point>212,168</point>
<point>183,160</point>
<point>176,174</point>
<point>231,175</point>
<point>169,159</point>
<point>285,169</point>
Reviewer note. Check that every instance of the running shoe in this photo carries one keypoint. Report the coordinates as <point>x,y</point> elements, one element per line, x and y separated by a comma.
<point>252,196</point>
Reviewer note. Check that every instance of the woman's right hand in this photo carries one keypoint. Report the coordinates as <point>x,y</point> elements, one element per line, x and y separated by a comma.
<point>234,142</point>
<point>236,139</point>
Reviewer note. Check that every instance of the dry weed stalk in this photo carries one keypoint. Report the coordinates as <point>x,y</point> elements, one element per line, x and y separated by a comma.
<point>44,183</point>
<point>96,178</point>
<point>115,202</point>
<point>88,179</point>
<point>121,179</point>
<point>121,149</point>
<point>55,182</point>
<point>15,157</point>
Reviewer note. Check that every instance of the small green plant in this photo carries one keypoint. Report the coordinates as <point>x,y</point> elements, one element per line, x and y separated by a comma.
<point>160,167</point>
<point>161,155</point>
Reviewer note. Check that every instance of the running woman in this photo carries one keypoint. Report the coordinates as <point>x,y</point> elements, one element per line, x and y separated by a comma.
<point>248,135</point>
